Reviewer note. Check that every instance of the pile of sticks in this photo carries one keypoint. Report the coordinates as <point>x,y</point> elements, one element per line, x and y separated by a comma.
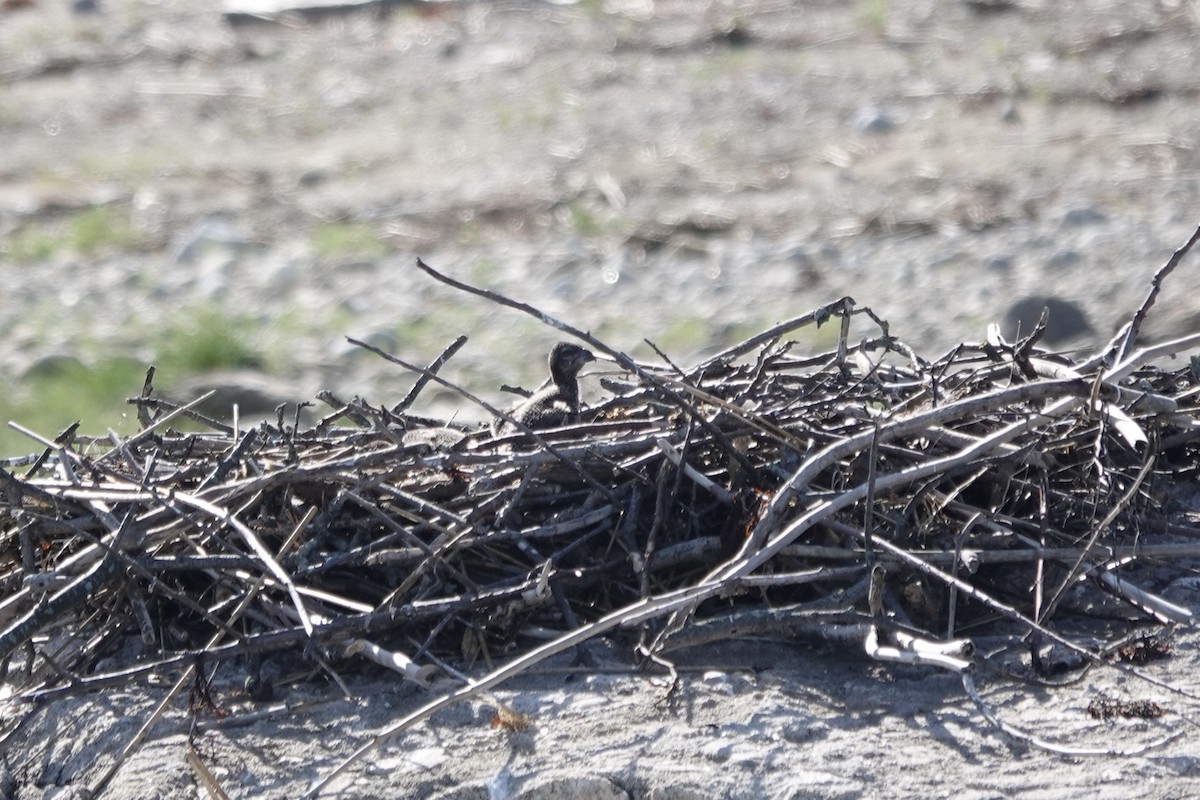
<point>917,501</point>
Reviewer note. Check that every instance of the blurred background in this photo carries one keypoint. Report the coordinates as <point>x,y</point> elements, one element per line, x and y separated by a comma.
<point>228,191</point>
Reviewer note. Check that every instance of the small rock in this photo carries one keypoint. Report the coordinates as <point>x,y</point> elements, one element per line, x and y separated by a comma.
<point>718,681</point>
<point>1086,215</point>
<point>831,253</point>
<point>211,232</point>
<point>717,751</point>
<point>313,177</point>
<point>873,121</point>
<point>583,788</point>
<point>1066,320</point>
<point>213,273</point>
<point>252,392</point>
<point>797,731</point>
<point>51,366</point>
<point>1064,258</point>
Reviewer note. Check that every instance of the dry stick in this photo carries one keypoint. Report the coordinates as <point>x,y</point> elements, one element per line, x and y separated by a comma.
<point>343,627</point>
<point>968,406</point>
<point>700,479</point>
<point>1126,366</point>
<point>432,369</point>
<point>229,462</point>
<point>1149,603</point>
<point>622,359</point>
<point>207,779</point>
<point>753,420</point>
<point>1011,613</point>
<point>73,596</point>
<point>1078,568</point>
<point>744,564</point>
<point>255,544</point>
<point>632,614</point>
<point>1135,325</point>
<point>241,609</point>
<point>140,436</point>
<point>143,412</point>
<point>976,557</point>
<point>491,410</point>
<point>968,681</point>
<point>677,601</point>
<point>869,504</point>
<point>155,402</point>
<point>131,462</point>
<point>838,308</point>
<point>656,524</point>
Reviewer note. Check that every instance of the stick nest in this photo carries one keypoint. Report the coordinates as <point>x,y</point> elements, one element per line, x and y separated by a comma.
<point>863,486</point>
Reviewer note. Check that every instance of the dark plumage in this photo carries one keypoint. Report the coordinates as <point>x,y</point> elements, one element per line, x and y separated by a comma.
<point>557,402</point>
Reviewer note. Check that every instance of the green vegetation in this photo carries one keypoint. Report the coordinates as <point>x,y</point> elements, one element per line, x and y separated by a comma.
<point>90,231</point>
<point>66,390</point>
<point>874,15</point>
<point>335,241</point>
<point>207,341</point>
<point>100,228</point>
<point>591,222</point>
<point>59,391</point>
<point>31,245</point>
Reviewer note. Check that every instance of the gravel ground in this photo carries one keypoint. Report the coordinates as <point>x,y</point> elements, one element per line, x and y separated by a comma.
<point>648,170</point>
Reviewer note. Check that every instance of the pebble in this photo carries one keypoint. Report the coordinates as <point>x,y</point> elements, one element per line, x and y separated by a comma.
<point>1085,215</point>
<point>1064,258</point>
<point>720,751</point>
<point>872,120</point>
<point>1001,263</point>
<point>206,233</point>
<point>1066,320</point>
<point>252,392</point>
<point>798,731</point>
<point>581,788</point>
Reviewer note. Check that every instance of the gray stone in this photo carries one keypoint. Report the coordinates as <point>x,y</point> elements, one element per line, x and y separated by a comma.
<point>203,235</point>
<point>53,365</point>
<point>873,120</point>
<point>1066,321</point>
<point>1064,258</point>
<point>252,392</point>
<point>1086,215</point>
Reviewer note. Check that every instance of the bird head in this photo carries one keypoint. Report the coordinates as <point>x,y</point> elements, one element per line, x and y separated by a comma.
<point>566,359</point>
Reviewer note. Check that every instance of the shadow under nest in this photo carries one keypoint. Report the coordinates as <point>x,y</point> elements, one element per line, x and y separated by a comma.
<point>995,490</point>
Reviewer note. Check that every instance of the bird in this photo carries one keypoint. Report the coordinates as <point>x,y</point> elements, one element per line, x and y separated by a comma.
<point>557,402</point>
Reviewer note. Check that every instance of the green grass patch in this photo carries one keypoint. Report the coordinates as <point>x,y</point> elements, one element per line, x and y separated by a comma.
<point>32,244</point>
<point>335,241</point>
<point>61,390</point>
<point>90,231</point>
<point>101,228</point>
<point>205,341</point>
<point>873,15</point>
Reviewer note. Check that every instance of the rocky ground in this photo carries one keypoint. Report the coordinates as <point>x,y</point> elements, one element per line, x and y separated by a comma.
<point>685,173</point>
<point>682,172</point>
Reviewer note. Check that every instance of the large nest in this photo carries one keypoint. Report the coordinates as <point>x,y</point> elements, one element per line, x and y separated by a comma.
<point>901,502</point>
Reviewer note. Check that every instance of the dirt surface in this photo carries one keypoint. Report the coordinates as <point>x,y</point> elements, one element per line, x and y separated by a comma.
<point>683,172</point>
<point>759,718</point>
